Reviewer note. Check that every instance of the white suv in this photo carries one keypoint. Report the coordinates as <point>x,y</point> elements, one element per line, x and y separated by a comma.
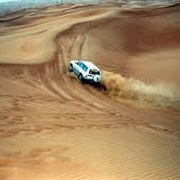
<point>85,70</point>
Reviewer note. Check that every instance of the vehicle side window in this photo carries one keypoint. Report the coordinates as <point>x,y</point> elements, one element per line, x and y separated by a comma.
<point>83,66</point>
<point>79,63</point>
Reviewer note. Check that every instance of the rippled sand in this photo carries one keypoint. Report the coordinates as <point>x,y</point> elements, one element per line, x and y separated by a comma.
<point>53,127</point>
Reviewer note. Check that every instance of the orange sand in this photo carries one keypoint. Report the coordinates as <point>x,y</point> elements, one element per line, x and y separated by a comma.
<point>52,127</point>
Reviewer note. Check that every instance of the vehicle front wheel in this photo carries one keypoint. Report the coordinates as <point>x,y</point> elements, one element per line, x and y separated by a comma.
<point>70,68</point>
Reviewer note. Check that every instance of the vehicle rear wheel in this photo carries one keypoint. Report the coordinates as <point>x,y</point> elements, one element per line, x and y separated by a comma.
<point>70,68</point>
<point>80,77</point>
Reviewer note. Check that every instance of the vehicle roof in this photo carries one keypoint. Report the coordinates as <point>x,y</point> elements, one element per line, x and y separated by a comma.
<point>90,64</point>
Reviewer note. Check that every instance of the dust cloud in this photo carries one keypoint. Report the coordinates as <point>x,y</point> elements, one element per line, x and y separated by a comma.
<point>157,95</point>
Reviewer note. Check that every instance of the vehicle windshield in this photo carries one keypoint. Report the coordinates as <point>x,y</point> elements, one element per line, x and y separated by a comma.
<point>94,71</point>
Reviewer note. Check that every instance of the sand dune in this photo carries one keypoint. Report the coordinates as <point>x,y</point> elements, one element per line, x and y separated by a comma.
<point>53,127</point>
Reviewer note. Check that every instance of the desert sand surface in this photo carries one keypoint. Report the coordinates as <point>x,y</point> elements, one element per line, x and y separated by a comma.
<point>53,127</point>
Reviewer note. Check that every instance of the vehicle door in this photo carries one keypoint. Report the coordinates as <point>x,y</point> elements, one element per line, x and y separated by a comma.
<point>77,68</point>
<point>84,69</point>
